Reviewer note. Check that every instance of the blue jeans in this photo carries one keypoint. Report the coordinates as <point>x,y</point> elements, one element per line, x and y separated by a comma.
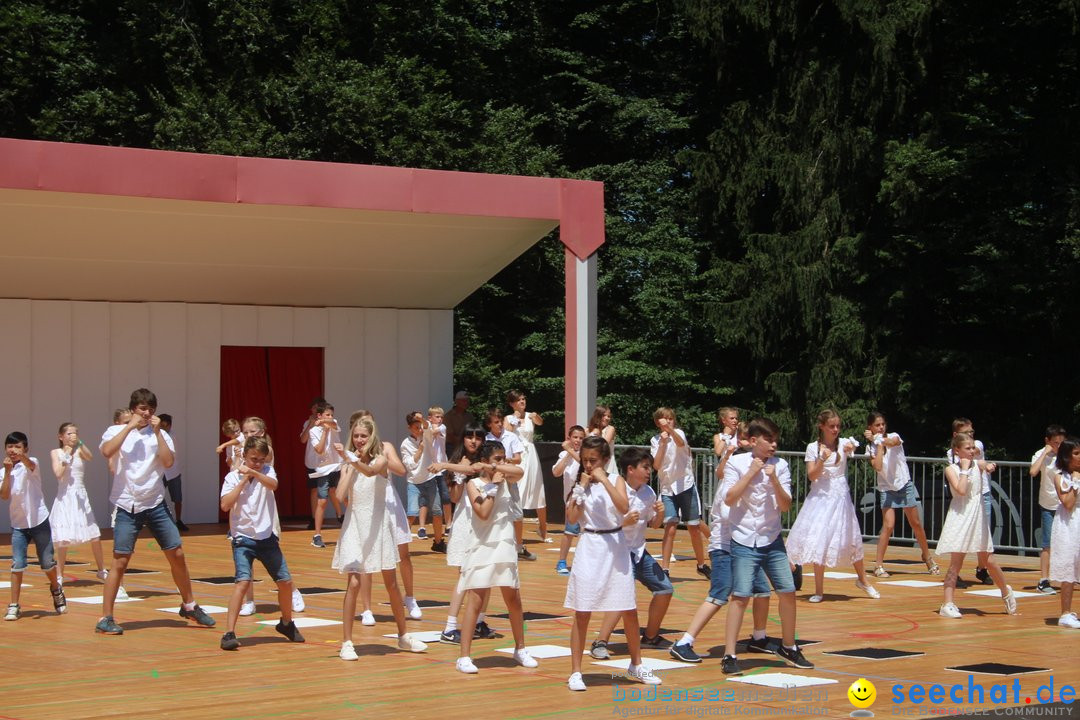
<point>747,561</point>
<point>444,489</point>
<point>720,579</point>
<point>128,524</point>
<point>267,551</point>
<point>41,536</point>
<point>649,573</point>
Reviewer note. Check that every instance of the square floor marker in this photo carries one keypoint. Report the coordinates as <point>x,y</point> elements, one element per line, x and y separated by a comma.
<point>6,584</point>
<point>782,680</point>
<point>209,609</point>
<point>428,636</point>
<point>319,590</point>
<point>998,669</point>
<point>910,583</point>
<point>427,603</point>
<point>653,664</point>
<point>542,652</point>
<point>98,599</point>
<point>304,622</point>
<point>995,593</point>
<point>220,580</point>
<point>840,575</point>
<point>533,616</point>
<point>874,653</point>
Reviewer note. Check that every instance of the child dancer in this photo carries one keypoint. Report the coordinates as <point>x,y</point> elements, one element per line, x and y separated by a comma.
<point>600,425</point>
<point>1065,543</point>
<point>1042,467</point>
<point>965,529</point>
<point>234,446</point>
<point>21,484</point>
<point>514,452</point>
<point>895,490</point>
<point>726,441</point>
<point>72,518</point>
<point>674,467</point>
<point>367,537</point>
<point>248,496</point>
<point>827,532</point>
<point>964,425</point>
<point>491,560</point>
<point>602,579</point>
<point>326,471</point>
<point>568,466</point>
<point>531,487</point>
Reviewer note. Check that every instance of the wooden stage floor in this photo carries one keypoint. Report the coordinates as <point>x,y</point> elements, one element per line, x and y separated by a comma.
<point>57,667</point>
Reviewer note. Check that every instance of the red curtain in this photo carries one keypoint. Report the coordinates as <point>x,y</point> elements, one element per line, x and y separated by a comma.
<point>276,384</point>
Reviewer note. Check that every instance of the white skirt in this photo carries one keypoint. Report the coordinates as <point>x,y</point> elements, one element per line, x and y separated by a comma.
<point>826,531</point>
<point>602,577</point>
<point>72,519</point>
<point>1065,546</point>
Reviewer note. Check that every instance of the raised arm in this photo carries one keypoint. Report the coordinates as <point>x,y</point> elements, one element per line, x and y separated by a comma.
<point>1038,461</point>
<point>959,485</point>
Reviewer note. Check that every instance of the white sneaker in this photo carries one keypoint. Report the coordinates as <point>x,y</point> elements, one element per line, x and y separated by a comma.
<point>1069,620</point>
<point>12,612</point>
<point>121,593</point>
<point>576,682</point>
<point>410,644</point>
<point>248,608</point>
<point>465,665</point>
<point>870,590</point>
<point>524,659</point>
<point>297,601</point>
<point>1010,601</point>
<point>102,574</point>
<point>643,674</point>
<point>413,610</point>
<point>366,618</point>
<point>347,651</point>
<point>949,610</point>
<point>815,598</point>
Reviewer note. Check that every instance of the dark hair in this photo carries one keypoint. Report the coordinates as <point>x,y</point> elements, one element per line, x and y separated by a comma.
<point>492,412</point>
<point>411,417</point>
<point>763,427</point>
<point>259,444</point>
<point>489,448</point>
<point>317,401</point>
<point>14,438</point>
<point>1054,430</point>
<point>573,428</point>
<point>632,457</point>
<point>513,396</point>
<point>322,407</point>
<point>469,431</point>
<point>142,396</point>
<point>165,418</point>
<point>597,416</point>
<point>872,416</point>
<point>595,442</point>
<point>1068,446</point>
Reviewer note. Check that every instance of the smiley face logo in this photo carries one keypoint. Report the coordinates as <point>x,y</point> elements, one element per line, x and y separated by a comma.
<point>862,693</point>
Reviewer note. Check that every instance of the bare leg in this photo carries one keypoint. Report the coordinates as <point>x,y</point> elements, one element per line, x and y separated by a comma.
<point>406,567</point>
<point>519,533</point>
<point>180,573</point>
<point>1044,563</point>
<point>284,598</point>
<point>541,515</point>
<point>912,516</point>
<point>512,600</point>
<point>348,606</point>
<point>987,561</point>
<point>61,560</point>
<point>473,600</point>
<point>113,582</point>
<point>577,639</point>
<point>1066,597</point>
<point>668,544</point>
<point>657,609</point>
<point>705,612</point>
<point>16,587</point>
<point>760,612</point>
<point>436,520</point>
<point>564,546</point>
<point>235,600</point>
<point>365,593</point>
<point>819,578</point>
<point>736,610</point>
<point>99,558</point>
<point>314,503</point>
<point>956,561</point>
<point>338,511</point>
<point>698,544</point>
<point>888,522</point>
<point>397,605</point>
<point>423,519</point>
<point>320,510</point>
<point>633,635</point>
<point>607,624</point>
<point>786,601</point>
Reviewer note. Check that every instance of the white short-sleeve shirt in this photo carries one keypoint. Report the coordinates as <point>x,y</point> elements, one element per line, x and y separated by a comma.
<point>676,472</point>
<point>895,474</point>
<point>138,477</point>
<point>719,523</point>
<point>510,441</point>
<point>27,506</point>
<point>328,461</point>
<point>1048,497</point>
<point>416,470</point>
<point>755,517</point>
<point>254,514</point>
<point>570,474</point>
<point>643,499</point>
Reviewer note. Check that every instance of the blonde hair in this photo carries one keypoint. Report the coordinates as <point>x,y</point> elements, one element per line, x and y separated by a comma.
<point>435,410</point>
<point>373,447</point>
<point>259,423</point>
<point>663,412</point>
<point>961,438</point>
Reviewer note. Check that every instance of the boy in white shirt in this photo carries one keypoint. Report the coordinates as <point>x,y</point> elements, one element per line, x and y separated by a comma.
<point>248,496</point>
<point>511,443</point>
<point>646,510</point>
<point>326,467</point>
<point>417,454</point>
<point>674,467</point>
<point>21,484</point>
<point>142,451</point>
<point>435,432</point>
<point>567,466</point>
<point>1042,466</point>
<point>757,489</point>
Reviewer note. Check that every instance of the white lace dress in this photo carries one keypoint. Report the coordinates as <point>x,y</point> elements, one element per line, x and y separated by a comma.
<point>72,519</point>
<point>965,529</point>
<point>531,484</point>
<point>602,577</point>
<point>367,543</point>
<point>491,558</point>
<point>1065,539</point>
<point>461,531</point>
<point>826,531</point>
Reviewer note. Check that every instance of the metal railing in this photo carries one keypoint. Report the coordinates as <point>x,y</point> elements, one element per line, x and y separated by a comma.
<point>1015,517</point>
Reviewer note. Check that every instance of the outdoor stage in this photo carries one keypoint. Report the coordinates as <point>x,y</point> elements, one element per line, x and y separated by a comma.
<point>57,667</point>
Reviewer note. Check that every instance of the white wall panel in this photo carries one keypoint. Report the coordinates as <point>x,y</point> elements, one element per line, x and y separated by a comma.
<point>441,357</point>
<point>201,481</point>
<point>380,370</point>
<point>129,350</point>
<point>413,358</point>
<point>344,361</point>
<point>239,325</point>
<point>311,326</point>
<point>275,327</point>
<point>92,403</point>
<point>50,382</point>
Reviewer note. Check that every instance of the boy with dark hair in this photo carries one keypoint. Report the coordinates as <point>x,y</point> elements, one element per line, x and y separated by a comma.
<point>674,467</point>
<point>325,470</point>
<point>143,451</point>
<point>1042,467</point>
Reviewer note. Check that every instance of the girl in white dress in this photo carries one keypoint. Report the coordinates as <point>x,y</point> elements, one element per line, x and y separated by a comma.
<point>826,532</point>
<point>367,542</point>
<point>491,559</point>
<point>402,534</point>
<point>600,426</point>
<point>531,486</point>
<point>602,578</point>
<point>72,518</point>
<point>965,529</point>
<point>1065,535</point>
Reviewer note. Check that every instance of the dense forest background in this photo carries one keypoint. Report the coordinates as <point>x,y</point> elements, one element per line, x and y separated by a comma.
<point>856,203</point>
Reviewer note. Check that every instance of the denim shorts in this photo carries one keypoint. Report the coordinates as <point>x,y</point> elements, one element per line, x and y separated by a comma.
<point>720,579</point>
<point>905,497</point>
<point>429,496</point>
<point>988,508</point>
<point>127,525</point>
<point>747,561</point>
<point>267,551</point>
<point>685,506</point>
<point>322,485</point>
<point>649,573</point>
<point>41,536</point>
<point>444,488</point>
<point>176,490</point>
<point>412,500</point>
<point>1047,525</point>
<point>572,529</point>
